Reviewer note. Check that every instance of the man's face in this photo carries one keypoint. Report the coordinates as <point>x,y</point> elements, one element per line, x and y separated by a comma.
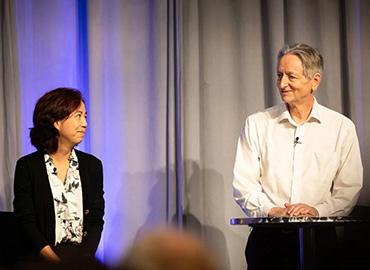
<point>295,88</point>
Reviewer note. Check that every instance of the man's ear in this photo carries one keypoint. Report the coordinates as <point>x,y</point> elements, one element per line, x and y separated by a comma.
<point>316,79</point>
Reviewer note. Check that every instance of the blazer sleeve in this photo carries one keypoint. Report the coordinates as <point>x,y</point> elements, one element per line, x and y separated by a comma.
<point>24,205</point>
<point>94,210</point>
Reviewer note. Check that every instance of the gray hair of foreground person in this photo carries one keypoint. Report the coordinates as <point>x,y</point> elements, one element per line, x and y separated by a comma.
<point>167,249</point>
<point>312,60</point>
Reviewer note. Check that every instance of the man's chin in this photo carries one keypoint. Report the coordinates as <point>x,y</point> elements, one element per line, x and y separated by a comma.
<point>286,99</point>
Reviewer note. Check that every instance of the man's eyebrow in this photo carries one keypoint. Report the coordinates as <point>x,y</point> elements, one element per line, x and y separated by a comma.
<point>287,72</point>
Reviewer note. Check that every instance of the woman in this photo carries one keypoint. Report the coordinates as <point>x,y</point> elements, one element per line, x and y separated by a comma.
<point>58,190</point>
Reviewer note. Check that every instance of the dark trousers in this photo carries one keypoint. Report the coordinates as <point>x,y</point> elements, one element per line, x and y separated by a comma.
<point>70,254</point>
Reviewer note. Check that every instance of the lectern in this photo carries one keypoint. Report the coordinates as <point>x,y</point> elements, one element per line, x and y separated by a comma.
<point>305,227</point>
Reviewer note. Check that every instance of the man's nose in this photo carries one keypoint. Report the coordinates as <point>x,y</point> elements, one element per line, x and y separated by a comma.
<point>283,81</point>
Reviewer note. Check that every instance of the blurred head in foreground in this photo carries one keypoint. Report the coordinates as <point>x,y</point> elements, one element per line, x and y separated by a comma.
<point>168,249</point>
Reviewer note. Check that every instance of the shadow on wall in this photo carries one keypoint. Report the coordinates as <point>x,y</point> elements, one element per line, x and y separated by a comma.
<point>156,202</point>
<point>203,216</point>
<point>137,204</point>
<point>203,195</point>
<point>204,210</point>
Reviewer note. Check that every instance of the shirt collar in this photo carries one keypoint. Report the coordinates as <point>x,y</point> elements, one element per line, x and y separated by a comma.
<point>314,116</point>
<point>315,113</point>
<point>72,157</point>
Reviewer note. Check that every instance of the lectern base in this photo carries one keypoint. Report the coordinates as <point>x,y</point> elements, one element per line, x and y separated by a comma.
<point>278,248</point>
<point>272,249</point>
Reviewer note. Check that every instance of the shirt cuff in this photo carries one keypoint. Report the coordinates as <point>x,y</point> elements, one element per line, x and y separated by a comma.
<point>266,208</point>
<point>322,209</point>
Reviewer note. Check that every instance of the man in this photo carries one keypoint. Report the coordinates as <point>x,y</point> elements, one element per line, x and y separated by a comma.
<point>295,159</point>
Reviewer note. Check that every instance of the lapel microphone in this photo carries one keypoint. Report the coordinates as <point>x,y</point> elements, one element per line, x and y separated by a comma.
<point>296,141</point>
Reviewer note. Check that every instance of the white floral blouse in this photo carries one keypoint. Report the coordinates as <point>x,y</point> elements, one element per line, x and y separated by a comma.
<point>67,197</point>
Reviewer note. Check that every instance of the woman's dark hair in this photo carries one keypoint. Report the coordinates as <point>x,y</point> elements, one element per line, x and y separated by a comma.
<point>53,106</point>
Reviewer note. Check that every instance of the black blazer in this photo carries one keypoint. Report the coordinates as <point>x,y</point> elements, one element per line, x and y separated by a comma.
<point>34,206</point>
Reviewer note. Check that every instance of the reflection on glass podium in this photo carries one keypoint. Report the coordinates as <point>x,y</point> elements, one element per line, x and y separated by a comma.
<point>352,234</point>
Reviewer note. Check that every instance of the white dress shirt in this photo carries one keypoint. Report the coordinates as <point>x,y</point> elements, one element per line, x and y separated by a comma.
<point>317,163</point>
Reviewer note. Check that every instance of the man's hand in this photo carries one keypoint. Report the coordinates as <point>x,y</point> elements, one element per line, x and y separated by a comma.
<point>278,212</point>
<point>301,209</point>
<point>293,210</point>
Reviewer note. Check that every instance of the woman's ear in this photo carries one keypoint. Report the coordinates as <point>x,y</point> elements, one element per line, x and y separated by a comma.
<point>57,124</point>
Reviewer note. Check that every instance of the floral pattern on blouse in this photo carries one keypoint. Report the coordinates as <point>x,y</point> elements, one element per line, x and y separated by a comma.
<point>67,198</point>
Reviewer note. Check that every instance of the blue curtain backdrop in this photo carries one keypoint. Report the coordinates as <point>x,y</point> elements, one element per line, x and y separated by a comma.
<point>168,84</point>
<point>122,56</point>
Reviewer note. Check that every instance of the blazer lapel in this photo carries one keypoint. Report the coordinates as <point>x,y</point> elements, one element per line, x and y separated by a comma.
<point>42,182</point>
<point>83,169</point>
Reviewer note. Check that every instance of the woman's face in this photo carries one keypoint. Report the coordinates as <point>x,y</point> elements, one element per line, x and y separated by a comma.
<point>72,129</point>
